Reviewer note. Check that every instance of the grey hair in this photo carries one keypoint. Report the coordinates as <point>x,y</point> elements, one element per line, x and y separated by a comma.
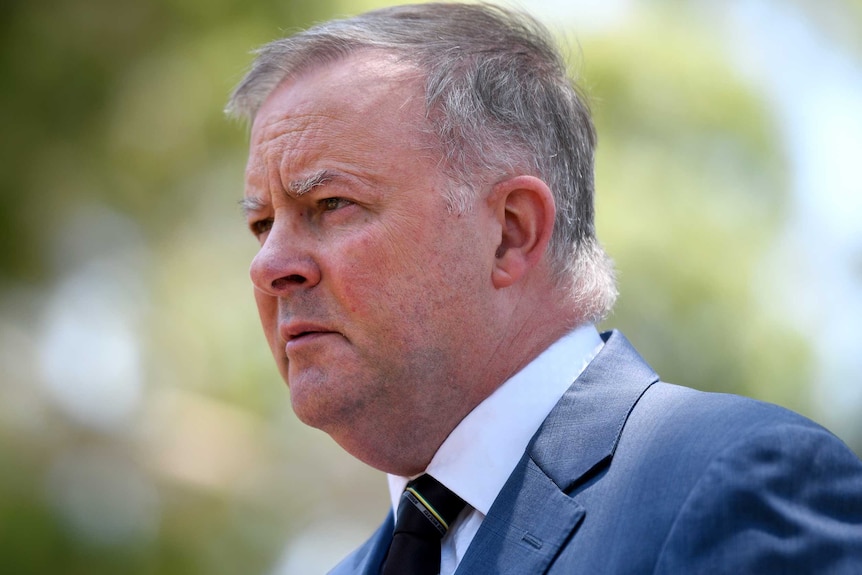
<point>499,100</point>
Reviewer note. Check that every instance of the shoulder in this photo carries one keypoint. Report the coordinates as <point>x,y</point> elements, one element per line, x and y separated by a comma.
<point>714,418</point>
<point>711,437</point>
<point>713,483</point>
<point>761,488</point>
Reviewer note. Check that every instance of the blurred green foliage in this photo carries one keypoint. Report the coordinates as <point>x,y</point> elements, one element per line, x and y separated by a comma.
<point>691,192</point>
<point>118,223</point>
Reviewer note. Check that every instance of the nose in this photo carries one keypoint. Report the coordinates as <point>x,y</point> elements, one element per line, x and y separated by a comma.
<point>282,265</point>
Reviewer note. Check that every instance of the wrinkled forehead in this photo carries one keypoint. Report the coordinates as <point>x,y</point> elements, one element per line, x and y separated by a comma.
<point>363,82</point>
<point>366,97</point>
<point>366,105</point>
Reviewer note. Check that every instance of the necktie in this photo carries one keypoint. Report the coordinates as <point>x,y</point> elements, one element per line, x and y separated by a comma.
<point>425,512</point>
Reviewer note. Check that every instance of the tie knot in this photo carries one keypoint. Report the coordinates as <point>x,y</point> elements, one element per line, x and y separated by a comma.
<point>437,507</point>
<point>426,510</point>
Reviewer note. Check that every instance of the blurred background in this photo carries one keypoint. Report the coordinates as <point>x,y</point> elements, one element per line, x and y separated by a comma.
<point>143,427</point>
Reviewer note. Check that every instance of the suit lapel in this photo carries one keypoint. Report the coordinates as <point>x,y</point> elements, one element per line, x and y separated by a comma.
<point>524,532</point>
<point>583,429</point>
<point>533,516</point>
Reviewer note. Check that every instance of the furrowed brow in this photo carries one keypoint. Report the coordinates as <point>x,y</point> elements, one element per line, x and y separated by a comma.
<point>302,186</point>
<point>251,205</point>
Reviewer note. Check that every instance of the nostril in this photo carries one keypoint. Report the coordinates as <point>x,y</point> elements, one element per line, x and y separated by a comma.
<point>285,281</point>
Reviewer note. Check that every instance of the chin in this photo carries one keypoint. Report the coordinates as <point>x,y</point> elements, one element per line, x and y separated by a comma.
<point>323,409</point>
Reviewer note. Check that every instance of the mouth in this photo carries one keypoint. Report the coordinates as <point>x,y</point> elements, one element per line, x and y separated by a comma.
<point>298,334</point>
<point>306,341</point>
<point>303,334</point>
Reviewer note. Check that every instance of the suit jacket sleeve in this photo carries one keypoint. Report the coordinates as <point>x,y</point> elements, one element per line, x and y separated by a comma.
<point>785,502</point>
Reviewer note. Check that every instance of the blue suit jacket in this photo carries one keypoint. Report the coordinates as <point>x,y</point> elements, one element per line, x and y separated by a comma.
<point>631,475</point>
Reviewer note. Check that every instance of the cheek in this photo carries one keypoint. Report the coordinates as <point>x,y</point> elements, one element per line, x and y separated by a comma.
<point>367,284</point>
<point>385,277</point>
<point>406,272</point>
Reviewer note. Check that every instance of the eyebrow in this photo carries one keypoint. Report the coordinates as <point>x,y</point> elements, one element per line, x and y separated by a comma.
<point>295,188</point>
<point>303,186</point>
<point>251,205</point>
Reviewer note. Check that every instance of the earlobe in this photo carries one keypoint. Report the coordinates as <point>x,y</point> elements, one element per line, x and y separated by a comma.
<point>525,209</point>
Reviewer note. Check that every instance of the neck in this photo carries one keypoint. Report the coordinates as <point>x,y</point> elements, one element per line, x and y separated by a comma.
<point>525,325</point>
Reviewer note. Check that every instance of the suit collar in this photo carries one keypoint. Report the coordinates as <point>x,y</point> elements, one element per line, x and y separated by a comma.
<point>584,428</point>
<point>533,516</point>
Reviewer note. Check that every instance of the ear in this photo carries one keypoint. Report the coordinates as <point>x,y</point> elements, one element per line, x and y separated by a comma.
<point>525,209</point>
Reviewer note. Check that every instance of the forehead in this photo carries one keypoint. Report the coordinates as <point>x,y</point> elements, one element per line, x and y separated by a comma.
<point>369,71</point>
<point>365,104</point>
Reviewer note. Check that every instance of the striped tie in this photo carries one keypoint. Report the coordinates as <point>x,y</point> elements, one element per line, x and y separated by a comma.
<point>426,510</point>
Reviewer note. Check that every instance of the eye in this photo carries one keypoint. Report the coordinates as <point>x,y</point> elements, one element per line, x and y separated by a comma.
<point>260,227</point>
<point>329,204</point>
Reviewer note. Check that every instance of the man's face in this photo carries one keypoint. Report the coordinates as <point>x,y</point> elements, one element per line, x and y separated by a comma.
<point>373,295</point>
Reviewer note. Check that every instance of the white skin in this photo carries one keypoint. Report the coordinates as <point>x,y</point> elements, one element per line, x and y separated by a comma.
<point>390,317</point>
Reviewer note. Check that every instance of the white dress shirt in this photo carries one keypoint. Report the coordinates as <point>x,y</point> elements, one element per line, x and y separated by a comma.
<point>480,454</point>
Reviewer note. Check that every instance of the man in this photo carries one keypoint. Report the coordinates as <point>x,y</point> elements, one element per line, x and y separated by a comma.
<point>420,180</point>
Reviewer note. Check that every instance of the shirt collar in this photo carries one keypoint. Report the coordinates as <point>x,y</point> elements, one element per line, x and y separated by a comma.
<point>480,454</point>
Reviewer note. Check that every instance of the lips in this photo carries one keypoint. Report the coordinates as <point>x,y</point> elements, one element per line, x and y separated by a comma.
<point>294,333</point>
